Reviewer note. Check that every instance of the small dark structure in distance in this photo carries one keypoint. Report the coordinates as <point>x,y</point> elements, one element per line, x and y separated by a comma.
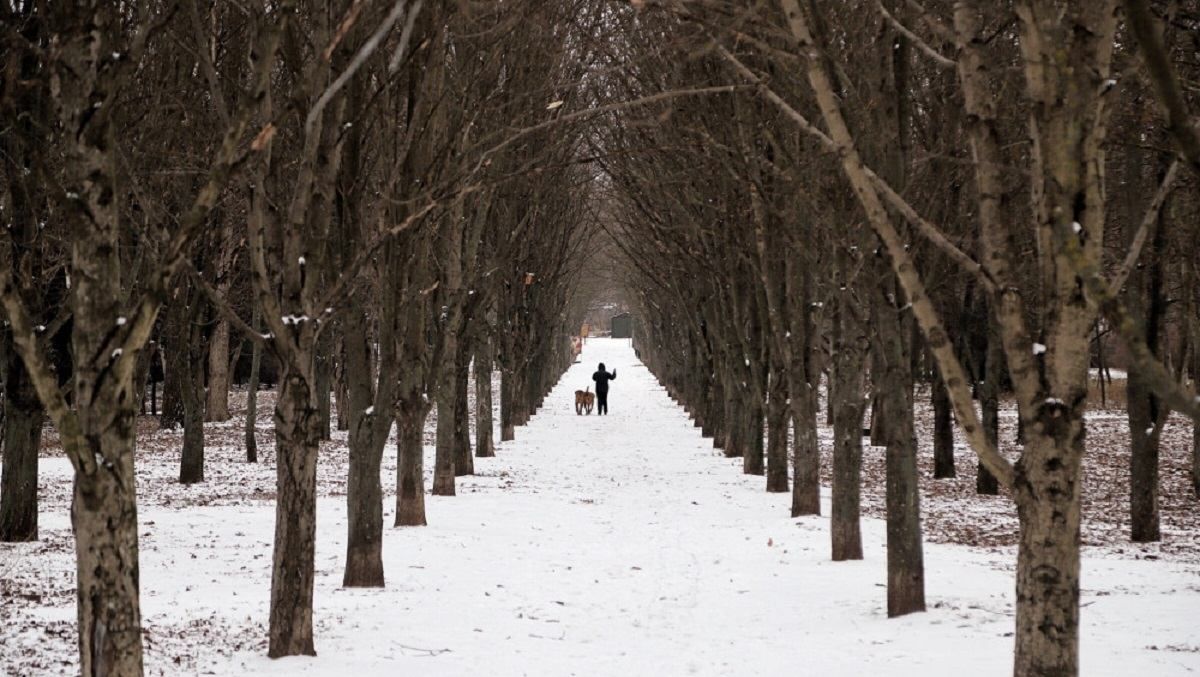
<point>622,326</point>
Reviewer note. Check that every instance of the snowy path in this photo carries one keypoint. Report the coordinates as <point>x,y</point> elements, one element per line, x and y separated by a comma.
<point>620,545</point>
<point>624,545</point>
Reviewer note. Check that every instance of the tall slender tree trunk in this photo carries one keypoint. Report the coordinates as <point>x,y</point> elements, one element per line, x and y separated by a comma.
<point>778,421</point>
<point>989,401</point>
<point>370,425</point>
<point>508,393</point>
<point>297,439</point>
<point>340,388</point>
<point>735,426</point>
<point>1144,301</point>
<point>104,519</point>
<point>191,386</point>
<point>217,404</point>
<point>252,392</point>
<point>1196,423</point>
<point>23,416</point>
<point>485,445</point>
<point>324,384</point>
<point>943,430</point>
<point>464,462</point>
<point>905,555</point>
<point>171,414</point>
<point>803,378</point>
<point>410,470</point>
<point>364,501</point>
<point>1047,494</point>
<point>444,454</point>
<point>754,459</point>
<point>846,395</point>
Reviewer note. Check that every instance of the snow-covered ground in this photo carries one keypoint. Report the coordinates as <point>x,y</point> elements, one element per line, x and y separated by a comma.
<point>590,546</point>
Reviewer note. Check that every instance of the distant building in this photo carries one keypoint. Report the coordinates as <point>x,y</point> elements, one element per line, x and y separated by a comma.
<point>622,326</point>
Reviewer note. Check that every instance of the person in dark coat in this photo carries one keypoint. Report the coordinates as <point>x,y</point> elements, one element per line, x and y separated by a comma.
<point>602,377</point>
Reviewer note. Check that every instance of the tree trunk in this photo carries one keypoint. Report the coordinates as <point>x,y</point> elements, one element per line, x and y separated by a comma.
<point>252,393</point>
<point>324,384</point>
<point>23,416</point>
<point>943,430</point>
<point>1196,423</point>
<point>989,401</point>
<point>507,394</point>
<point>464,462</point>
<point>297,439</point>
<point>802,386</point>
<point>370,424</point>
<point>172,413</point>
<point>190,363</point>
<point>846,386</point>
<point>754,460</point>
<point>340,388</point>
<point>777,433</point>
<point>735,427</point>
<point>410,469</point>
<point>905,556</point>
<point>1145,303</point>
<point>485,445</point>
<point>1047,495</point>
<point>104,519</point>
<point>217,406</point>
<point>444,454</point>
<point>1143,410</point>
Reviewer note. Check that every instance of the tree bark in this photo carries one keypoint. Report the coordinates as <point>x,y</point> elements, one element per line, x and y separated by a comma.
<point>989,401</point>
<point>171,413</point>
<point>943,431</point>
<point>846,395</point>
<point>367,405</point>
<point>778,420</point>
<point>217,404</point>
<point>410,471</point>
<point>1047,495</point>
<point>464,462</point>
<point>252,392</point>
<point>802,386</point>
<point>297,438</point>
<point>104,518</point>
<point>754,460</point>
<point>324,384</point>
<point>1196,383</point>
<point>507,394</point>
<point>23,416</point>
<point>444,454</point>
<point>1145,303</point>
<point>905,556</point>
<point>485,445</point>
<point>191,384</point>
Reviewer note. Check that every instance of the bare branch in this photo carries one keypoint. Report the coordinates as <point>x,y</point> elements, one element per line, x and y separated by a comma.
<point>1139,240</point>
<point>897,202</point>
<point>937,57</point>
<point>368,48</point>
<point>1166,83</point>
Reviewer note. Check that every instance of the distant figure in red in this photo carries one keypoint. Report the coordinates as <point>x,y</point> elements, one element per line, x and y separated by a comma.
<point>602,378</point>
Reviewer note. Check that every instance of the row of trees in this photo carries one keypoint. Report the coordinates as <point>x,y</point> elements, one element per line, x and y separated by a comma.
<point>372,197</point>
<point>375,198</point>
<point>968,192</point>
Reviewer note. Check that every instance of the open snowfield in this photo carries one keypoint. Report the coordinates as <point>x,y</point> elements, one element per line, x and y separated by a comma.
<point>619,545</point>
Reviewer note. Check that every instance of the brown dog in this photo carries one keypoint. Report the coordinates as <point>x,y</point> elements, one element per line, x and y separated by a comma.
<point>584,401</point>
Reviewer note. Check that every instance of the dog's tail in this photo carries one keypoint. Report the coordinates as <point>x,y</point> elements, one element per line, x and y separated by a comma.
<point>587,389</point>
